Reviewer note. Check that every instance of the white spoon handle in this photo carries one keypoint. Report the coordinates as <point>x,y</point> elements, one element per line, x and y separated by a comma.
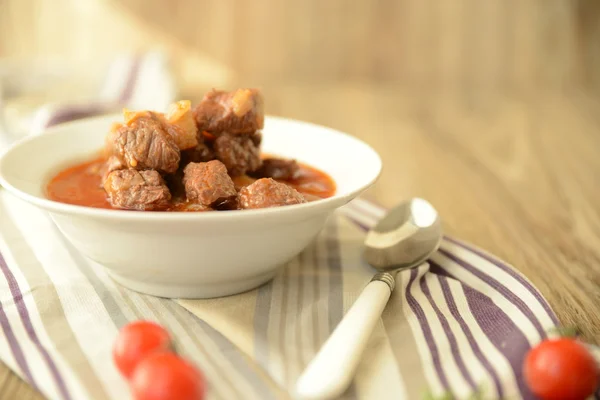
<point>329,374</point>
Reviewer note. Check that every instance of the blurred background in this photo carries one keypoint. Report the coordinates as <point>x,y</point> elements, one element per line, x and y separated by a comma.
<point>379,69</point>
<point>428,44</point>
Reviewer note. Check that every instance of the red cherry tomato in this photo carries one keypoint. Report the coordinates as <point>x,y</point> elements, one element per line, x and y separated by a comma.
<point>165,376</point>
<point>136,341</point>
<point>561,369</point>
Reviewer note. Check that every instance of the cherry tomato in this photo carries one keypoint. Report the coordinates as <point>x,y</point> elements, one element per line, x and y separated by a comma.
<point>561,369</point>
<point>136,341</point>
<point>165,376</point>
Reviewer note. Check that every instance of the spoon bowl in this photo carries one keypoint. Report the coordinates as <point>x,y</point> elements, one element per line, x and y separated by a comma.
<point>405,237</point>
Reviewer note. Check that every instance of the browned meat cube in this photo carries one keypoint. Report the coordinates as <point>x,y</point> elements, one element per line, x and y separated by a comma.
<point>112,164</point>
<point>238,153</point>
<point>207,183</point>
<point>201,153</point>
<point>277,168</point>
<point>178,123</point>
<point>180,115</point>
<point>266,192</point>
<point>137,190</point>
<point>144,142</point>
<point>256,139</point>
<point>237,112</point>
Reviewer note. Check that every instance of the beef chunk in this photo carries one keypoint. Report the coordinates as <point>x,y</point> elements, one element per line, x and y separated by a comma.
<point>277,168</point>
<point>207,183</point>
<point>178,123</point>
<point>256,138</point>
<point>144,142</point>
<point>112,164</point>
<point>238,153</point>
<point>201,153</point>
<point>237,112</point>
<point>137,190</point>
<point>181,125</point>
<point>266,192</point>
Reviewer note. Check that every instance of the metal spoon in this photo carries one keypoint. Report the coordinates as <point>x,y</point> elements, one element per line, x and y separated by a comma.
<point>404,238</point>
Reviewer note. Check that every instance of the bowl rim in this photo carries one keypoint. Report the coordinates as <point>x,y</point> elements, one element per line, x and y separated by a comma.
<point>334,201</point>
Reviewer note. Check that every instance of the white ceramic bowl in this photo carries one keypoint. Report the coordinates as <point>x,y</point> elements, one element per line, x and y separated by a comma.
<point>190,255</point>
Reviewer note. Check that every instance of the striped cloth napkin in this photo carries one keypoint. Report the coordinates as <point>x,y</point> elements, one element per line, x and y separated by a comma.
<point>458,326</point>
<point>461,324</point>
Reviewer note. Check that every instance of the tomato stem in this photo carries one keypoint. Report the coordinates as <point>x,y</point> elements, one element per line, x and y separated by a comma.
<point>565,331</point>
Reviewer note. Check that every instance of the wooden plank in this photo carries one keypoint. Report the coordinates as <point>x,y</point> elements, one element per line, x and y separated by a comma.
<point>521,43</point>
<point>13,387</point>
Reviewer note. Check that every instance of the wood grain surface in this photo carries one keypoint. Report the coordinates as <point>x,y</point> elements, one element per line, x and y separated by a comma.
<point>489,109</point>
<point>494,43</point>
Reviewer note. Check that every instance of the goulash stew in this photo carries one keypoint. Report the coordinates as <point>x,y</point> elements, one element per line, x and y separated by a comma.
<point>200,158</point>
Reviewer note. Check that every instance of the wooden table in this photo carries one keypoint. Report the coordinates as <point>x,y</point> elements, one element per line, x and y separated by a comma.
<point>515,173</point>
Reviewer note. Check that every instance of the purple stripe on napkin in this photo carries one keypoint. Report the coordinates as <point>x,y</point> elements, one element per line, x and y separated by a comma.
<point>426,329</point>
<point>503,290</point>
<point>512,273</point>
<point>15,348</point>
<point>449,334</point>
<point>485,311</point>
<point>467,331</point>
<point>497,326</point>
<point>72,112</point>
<point>24,314</point>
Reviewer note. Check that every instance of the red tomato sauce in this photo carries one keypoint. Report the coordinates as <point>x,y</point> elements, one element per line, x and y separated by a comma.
<point>81,185</point>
